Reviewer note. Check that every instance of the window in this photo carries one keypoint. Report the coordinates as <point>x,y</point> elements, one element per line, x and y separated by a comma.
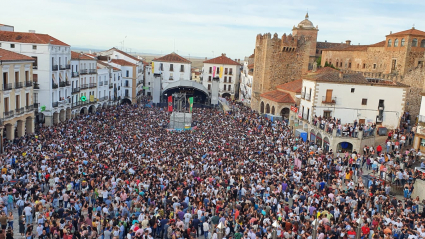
<point>402,42</point>
<point>209,78</point>
<point>349,64</point>
<point>224,88</point>
<point>390,42</point>
<point>181,68</point>
<point>340,64</point>
<point>364,66</point>
<point>230,71</point>
<point>218,70</point>
<point>171,67</point>
<point>209,86</point>
<point>161,67</point>
<point>414,42</point>
<point>12,45</point>
<point>35,63</point>
<point>229,87</point>
<point>352,90</point>
<point>0,44</point>
<point>225,71</point>
<point>395,42</point>
<point>423,43</point>
<point>210,70</point>
<point>225,79</point>
<point>374,66</point>
<point>230,79</point>
<point>34,47</point>
<point>327,114</point>
<point>364,101</point>
<point>127,73</point>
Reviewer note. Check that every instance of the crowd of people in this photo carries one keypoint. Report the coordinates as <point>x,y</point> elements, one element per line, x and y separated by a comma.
<point>118,173</point>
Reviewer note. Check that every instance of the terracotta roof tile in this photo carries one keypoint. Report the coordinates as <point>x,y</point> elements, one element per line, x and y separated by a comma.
<point>122,62</point>
<point>278,96</point>
<point>172,57</point>
<point>28,37</point>
<point>293,86</point>
<point>126,54</point>
<point>252,56</point>
<point>223,59</point>
<point>412,31</point>
<point>328,74</point>
<point>6,55</point>
<point>355,47</point>
<point>80,56</point>
<point>107,65</point>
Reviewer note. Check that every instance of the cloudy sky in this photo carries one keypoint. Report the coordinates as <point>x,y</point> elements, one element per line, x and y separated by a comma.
<point>206,28</point>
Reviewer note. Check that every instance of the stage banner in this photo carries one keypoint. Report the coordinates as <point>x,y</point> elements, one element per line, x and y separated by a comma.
<point>190,104</point>
<point>170,103</point>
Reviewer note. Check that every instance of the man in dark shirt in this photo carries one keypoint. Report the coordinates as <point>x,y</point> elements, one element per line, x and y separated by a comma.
<point>196,222</point>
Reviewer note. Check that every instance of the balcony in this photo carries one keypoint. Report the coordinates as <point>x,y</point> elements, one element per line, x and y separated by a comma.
<point>171,78</point>
<point>76,104</point>
<point>19,85</point>
<point>62,68</point>
<point>67,83</point>
<point>127,96</point>
<point>20,111</point>
<point>307,97</point>
<point>54,86</point>
<point>9,114</point>
<point>29,108</point>
<point>34,67</point>
<point>103,98</point>
<point>303,95</point>
<point>75,74</point>
<point>55,104</point>
<point>111,86</point>
<point>55,67</point>
<point>62,84</point>
<point>36,105</point>
<point>93,100</point>
<point>84,86</point>
<point>68,67</point>
<point>100,83</point>
<point>36,86</point>
<point>326,100</point>
<point>28,83</point>
<point>92,71</point>
<point>7,86</point>
<point>82,72</point>
<point>92,85</point>
<point>105,82</point>
<point>75,90</point>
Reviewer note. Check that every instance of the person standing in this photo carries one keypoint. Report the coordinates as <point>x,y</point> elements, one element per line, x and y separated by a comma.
<point>206,228</point>
<point>28,214</point>
<point>3,221</point>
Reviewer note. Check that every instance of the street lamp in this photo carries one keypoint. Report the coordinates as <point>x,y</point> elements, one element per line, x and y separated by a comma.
<point>220,230</point>
<point>359,228</point>
<point>274,231</point>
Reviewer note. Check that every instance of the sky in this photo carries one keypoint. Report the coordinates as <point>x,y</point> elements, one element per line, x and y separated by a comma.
<point>206,28</point>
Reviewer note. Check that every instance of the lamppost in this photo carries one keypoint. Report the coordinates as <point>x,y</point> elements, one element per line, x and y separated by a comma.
<point>274,231</point>
<point>359,228</point>
<point>220,230</point>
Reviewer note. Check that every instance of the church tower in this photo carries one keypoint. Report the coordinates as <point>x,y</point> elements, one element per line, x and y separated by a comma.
<point>307,29</point>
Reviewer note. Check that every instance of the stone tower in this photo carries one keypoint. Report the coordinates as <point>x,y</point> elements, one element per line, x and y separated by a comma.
<point>281,60</point>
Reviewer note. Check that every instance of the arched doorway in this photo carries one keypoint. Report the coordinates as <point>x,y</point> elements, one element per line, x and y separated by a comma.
<point>55,117</point>
<point>226,95</point>
<point>319,140</point>
<point>62,116</point>
<point>326,144</point>
<point>29,125</point>
<point>284,113</point>
<point>68,113</point>
<point>312,136</point>
<point>273,110</point>
<point>267,109</point>
<point>83,111</point>
<point>345,146</point>
<point>262,107</point>
<point>126,101</point>
<point>92,109</point>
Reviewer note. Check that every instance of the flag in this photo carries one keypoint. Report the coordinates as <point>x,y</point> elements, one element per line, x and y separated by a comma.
<point>152,67</point>
<point>220,72</point>
<point>190,104</point>
<point>214,68</point>
<point>43,108</point>
<point>170,103</point>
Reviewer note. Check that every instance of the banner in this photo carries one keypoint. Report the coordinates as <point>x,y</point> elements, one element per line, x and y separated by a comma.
<point>190,104</point>
<point>294,109</point>
<point>221,72</point>
<point>170,103</point>
<point>300,115</point>
<point>214,68</point>
<point>153,66</point>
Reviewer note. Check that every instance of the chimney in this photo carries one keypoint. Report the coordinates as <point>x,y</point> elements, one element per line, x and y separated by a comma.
<point>326,40</point>
<point>341,75</point>
<point>31,31</point>
<point>239,60</point>
<point>223,54</point>
<point>391,32</point>
<point>348,42</point>
<point>205,58</point>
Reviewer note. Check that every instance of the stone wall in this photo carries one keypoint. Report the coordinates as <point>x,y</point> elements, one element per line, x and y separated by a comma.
<point>415,78</point>
<point>278,61</point>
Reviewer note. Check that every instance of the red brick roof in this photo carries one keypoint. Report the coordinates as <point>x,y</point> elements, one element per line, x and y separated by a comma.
<point>80,56</point>
<point>28,37</point>
<point>223,60</point>
<point>252,56</point>
<point>122,62</point>
<point>172,57</point>
<point>355,47</point>
<point>6,55</point>
<point>293,86</point>
<point>409,32</point>
<point>278,96</point>
<point>126,54</point>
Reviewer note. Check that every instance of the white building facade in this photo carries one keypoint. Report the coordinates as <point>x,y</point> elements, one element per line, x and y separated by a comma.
<point>51,72</point>
<point>246,83</point>
<point>172,68</point>
<point>228,72</point>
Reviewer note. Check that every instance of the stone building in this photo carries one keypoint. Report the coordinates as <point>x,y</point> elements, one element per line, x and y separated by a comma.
<point>281,60</point>
<point>400,57</point>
